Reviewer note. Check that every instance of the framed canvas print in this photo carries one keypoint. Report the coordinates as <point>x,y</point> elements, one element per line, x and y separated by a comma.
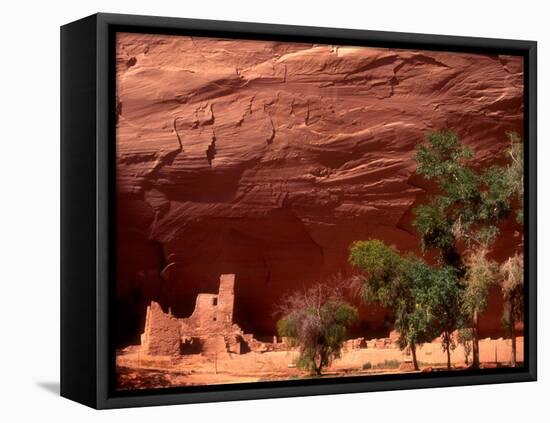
<point>256,211</point>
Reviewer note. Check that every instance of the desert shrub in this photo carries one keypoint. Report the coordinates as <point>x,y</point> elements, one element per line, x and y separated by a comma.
<point>316,320</point>
<point>388,364</point>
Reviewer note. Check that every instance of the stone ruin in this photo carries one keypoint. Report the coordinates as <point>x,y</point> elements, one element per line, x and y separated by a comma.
<point>392,341</point>
<point>209,330</point>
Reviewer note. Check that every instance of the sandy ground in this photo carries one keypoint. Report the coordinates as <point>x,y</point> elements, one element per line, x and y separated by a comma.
<point>136,371</point>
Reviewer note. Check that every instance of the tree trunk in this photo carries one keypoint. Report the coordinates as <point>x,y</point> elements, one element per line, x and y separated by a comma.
<point>413,352</point>
<point>317,367</point>
<point>475,342</point>
<point>513,335</point>
<point>448,355</point>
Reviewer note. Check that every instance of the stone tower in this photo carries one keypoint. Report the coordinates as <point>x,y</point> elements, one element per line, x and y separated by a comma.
<point>226,298</point>
<point>210,325</point>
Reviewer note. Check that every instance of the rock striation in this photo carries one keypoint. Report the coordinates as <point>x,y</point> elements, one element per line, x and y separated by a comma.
<point>267,159</point>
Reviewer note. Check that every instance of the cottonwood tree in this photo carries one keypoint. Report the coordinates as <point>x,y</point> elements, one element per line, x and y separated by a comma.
<point>464,338</point>
<point>470,203</point>
<point>480,274</point>
<point>437,290</point>
<point>461,221</point>
<point>425,300</point>
<point>395,282</point>
<point>316,320</point>
<point>512,286</point>
<point>514,173</point>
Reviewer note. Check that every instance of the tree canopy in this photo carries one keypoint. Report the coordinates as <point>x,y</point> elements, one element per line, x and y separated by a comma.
<point>424,300</point>
<point>470,202</point>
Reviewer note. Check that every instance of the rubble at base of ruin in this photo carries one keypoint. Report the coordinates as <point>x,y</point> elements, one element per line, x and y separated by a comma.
<point>381,343</point>
<point>209,329</point>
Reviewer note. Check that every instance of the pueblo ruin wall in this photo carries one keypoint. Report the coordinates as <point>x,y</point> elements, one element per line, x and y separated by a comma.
<point>209,329</point>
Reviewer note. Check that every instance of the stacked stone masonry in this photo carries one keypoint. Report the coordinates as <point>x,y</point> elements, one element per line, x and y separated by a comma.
<point>209,330</point>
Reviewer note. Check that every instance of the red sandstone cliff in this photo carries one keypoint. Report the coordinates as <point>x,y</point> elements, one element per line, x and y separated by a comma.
<point>268,159</point>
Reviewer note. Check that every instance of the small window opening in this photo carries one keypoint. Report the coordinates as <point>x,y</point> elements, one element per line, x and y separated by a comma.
<point>215,301</point>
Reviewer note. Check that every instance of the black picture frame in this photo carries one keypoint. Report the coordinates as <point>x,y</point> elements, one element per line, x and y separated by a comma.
<point>87,209</point>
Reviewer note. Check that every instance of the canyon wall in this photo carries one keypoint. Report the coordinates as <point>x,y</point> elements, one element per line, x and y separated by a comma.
<point>267,159</point>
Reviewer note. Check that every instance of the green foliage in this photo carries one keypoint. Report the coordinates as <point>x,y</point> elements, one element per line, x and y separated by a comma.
<point>441,156</point>
<point>414,318</point>
<point>439,292</point>
<point>465,338</point>
<point>375,256</point>
<point>464,335</point>
<point>435,228</point>
<point>494,200</point>
<point>480,274</point>
<point>515,171</point>
<point>424,300</point>
<point>288,326</point>
<point>470,202</point>
<point>388,281</point>
<point>367,365</point>
<point>383,265</point>
<point>512,273</point>
<point>316,320</point>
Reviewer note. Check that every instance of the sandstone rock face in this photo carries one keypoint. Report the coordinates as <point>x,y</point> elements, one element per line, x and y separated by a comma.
<point>267,159</point>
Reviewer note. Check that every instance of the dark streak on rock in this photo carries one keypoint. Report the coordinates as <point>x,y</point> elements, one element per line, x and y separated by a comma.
<point>131,62</point>
<point>211,150</point>
<point>270,139</point>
